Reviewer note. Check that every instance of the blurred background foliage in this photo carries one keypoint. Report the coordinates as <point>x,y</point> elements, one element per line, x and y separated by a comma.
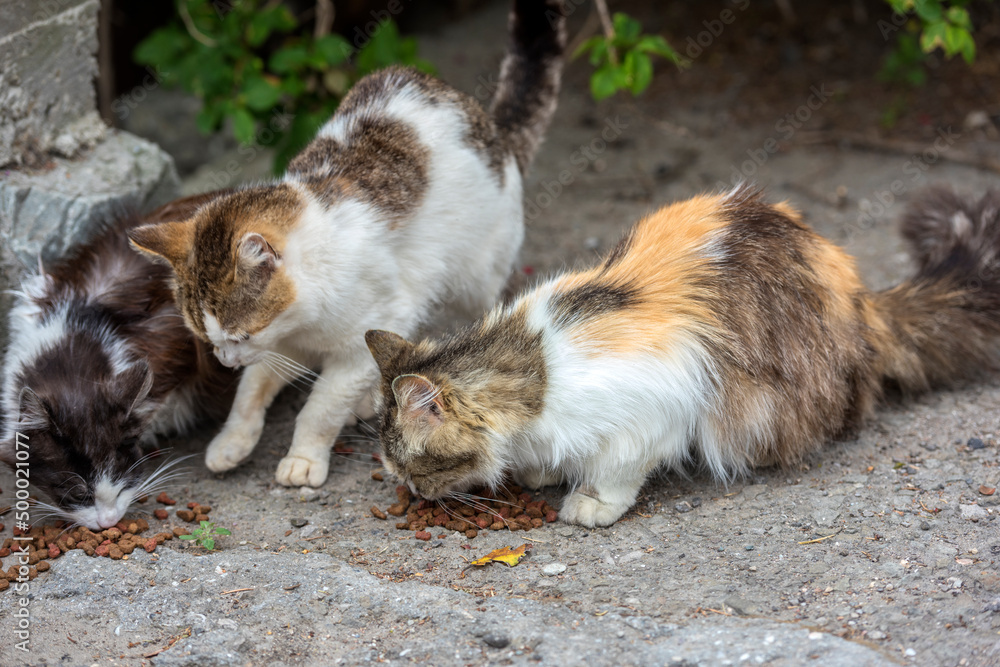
<point>251,63</point>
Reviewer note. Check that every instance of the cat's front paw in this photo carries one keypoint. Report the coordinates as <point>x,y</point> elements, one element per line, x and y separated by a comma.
<point>227,450</point>
<point>297,470</point>
<point>589,511</point>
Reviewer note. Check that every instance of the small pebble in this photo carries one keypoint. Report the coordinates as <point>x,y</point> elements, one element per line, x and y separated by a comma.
<point>924,525</point>
<point>496,640</point>
<point>976,443</point>
<point>552,569</point>
<point>748,547</point>
<point>298,523</point>
<point>696,501</point>
<point>683,507</point>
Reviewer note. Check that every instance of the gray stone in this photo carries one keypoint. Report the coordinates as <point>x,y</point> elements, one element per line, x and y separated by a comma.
<point>552,569</point>
<point>47,68</point>
<point>49,212</point>
<point>496,640</point>
<point>973,512</point>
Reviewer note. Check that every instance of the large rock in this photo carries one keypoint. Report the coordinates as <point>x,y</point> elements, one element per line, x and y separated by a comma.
<point>47,68</point>
<point>45,213</point>
<point>49,212</point>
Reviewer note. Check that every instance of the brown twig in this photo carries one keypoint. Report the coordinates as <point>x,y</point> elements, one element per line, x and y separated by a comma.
<point>609,28</point>
<point>191,27</point>
<point>820,539</point>
<point>324,18</point>
<point>173,640</point>
<point>238,590</point>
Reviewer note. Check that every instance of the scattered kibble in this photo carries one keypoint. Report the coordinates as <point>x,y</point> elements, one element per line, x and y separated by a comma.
<point>512,509</point>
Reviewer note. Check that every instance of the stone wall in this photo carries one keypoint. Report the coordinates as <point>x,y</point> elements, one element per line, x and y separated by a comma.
<point>63,173</point>
<point>48,64</point>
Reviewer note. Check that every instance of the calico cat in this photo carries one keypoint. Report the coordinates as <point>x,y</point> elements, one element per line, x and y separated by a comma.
<point>409,196</point>
<point>98,361</point>
<point>720,329</point>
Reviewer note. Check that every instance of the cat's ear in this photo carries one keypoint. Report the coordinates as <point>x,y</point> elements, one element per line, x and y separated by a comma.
<point>136,381</point>
<point>255,252</point>
<point>419,399</point>
<point>33,414</point>
<point>165,242</point>
<point>386,347</point>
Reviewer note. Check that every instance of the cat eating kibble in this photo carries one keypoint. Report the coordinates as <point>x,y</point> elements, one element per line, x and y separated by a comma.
<point>408,197</point>
<point>98,361</point>
<point>720,330</point>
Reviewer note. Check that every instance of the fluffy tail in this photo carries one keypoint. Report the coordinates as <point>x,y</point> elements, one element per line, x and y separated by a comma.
<point>943,325</point>
<point>529,76</point>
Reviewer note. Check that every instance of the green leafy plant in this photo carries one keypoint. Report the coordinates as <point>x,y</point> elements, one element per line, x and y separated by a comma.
<point>623,57</point>
<point>205,534</point>
<point>251,63</point>
<point>925,26</point>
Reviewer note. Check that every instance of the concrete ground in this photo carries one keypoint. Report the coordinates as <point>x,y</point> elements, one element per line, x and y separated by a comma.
<point>880,551</point>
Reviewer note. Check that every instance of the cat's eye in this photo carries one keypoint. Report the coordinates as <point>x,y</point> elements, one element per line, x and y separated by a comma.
<point>238,338</point>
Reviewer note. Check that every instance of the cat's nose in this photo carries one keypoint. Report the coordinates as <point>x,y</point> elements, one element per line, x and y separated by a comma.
<point>228,358</point>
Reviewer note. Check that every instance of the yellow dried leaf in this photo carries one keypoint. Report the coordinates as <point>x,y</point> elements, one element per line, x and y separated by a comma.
<point>504,555</point>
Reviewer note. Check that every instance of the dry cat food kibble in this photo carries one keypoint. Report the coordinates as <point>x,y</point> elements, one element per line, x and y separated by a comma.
<point>511,509</point>
<point>118,542</point>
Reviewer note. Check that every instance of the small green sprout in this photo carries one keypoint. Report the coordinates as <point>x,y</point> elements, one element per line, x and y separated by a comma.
<point>205,534</point>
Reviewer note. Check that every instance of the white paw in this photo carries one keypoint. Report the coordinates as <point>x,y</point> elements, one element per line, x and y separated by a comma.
<point>297,470</point>
<point>227,450</point>
<point>588,511</point>
<point>537,478</point>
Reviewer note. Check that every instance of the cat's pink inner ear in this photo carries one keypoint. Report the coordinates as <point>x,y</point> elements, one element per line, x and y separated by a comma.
<point>255,251</point>
<point>419,399</point>
<point>169,241</point>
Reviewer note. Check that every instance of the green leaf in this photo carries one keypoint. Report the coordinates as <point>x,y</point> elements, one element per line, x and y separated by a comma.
<point>243,126</point>
<point>261,94</point>
<point>604,82</point>
<point>222,531</point>
<point>289,59</point>
<point>588,45</point>
<point>333,49</point>
<point>162,47</point>
<point>208,543</point>
<point>627,29</point>
<point>961,42</point>
<point>928,10</point>
<point>933,36</point>
<point>187,537</point>
<point>642,72</point>
<point>959,17</point>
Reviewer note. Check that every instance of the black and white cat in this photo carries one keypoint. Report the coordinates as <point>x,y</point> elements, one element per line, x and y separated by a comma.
<point>98,361</point>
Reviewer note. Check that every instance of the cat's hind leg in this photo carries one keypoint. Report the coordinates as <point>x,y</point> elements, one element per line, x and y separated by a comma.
<point>258,387</point>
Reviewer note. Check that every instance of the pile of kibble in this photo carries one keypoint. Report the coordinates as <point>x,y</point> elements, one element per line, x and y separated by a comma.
<point>511,509</point>
<point>51,541</point>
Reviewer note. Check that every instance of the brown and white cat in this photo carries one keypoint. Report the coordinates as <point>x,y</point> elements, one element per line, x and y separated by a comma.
<point>409,196</point>
<point>720,329</point>
<point>98,361</point>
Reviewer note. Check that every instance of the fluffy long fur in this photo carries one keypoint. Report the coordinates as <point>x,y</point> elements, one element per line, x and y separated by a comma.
<point>99,360</point>
<point>408,197</point>
<point>720,329</point>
